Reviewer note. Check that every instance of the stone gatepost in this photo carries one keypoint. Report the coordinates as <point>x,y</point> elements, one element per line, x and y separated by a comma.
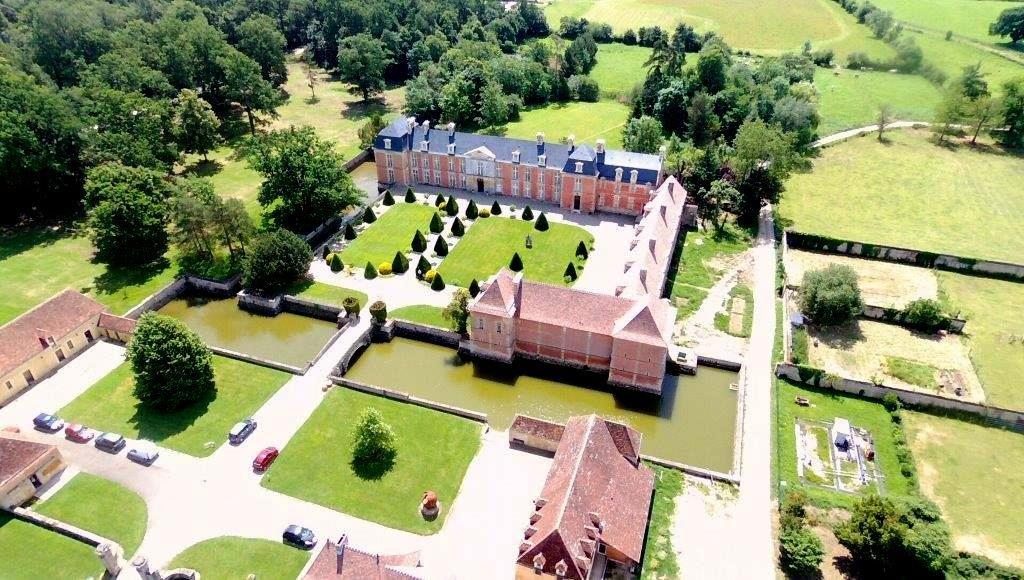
<point>141,565</point>
<point>111,555</point>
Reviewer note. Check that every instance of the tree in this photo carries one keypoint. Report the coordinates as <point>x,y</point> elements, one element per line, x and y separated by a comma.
<point>172,366</point>
<point>702,122</point>
<point>457,311</point>
<point>260,40</point>
<point>884,119</point>
<point>437,284</point>
<point>570,272</point>
<point>542,223</point>
<point>493,105</point>
<point>244,84</point>
<point>419,242</point>
<point>1010,23</point>
<point>436,225</point>
<point>195,124</point>
<point>830,295</point>
<point>373,442</point>
<point>924,313</point>
<point>874,533</point>
<point>310,73</point>
<point>721,195</point>
<point>452,207</point>
<point>472,211</point>
<point>800,552</point>
<point>456,100</point>
<point>361,61</point>
<point>192,213</point>
<point>527,213</point>
<point>1013,114</point>
<point>388,198</point>
<point>232,221</point>
<point>400,264</point>
<point>581,251</point>
<point>762,159</point>
<point>516,263</point>
<point>350,232</point>
<point>128,214</point>
<point>369,216</point>
<point>495,208</point>
<point>304,179</point>
<point>583,88</point>
<point>441,246</point>
<point>410,197</point>
<point>951,113</point>
<point>275,260</point>
<point>457,228</point>
<point>368,131</point>
<point>642,135</point>
<point>474,288</point>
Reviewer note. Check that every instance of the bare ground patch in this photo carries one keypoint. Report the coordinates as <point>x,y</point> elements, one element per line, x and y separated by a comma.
<point>881,283</point>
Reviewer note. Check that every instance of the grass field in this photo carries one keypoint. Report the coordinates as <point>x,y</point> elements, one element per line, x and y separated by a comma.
<point>748,24</point>
<point>587,121</point>
<point>232,557</point>
<point>392,232</point>
<point>969,18</point>
<point>973,473</point>
<point>852,98</point>
<point>912,193</point>
<point>434,451</point>
<point>951,57</point>
<point>89,502</point>
<point>325,293</point>
<point>31,553</point>
<point>994,310</point>
<point>241,389</point>
<point>700,264</point>
<point>231,175</point>
<point>619,68</point>
<point>659,553</point>
<point>490,243</point>
<point>421,313</point>
<point>854,38</point>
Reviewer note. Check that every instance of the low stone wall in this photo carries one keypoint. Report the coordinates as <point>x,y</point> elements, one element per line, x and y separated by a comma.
<point>359,158</point>
<point>819,378</point>
<point>312,309</point>
<point>425,333</point>
<point>160,298</point>
<point>343,325</point>
<point>67,530</point>
<point>691,470</point>
<point>259,361</point>
<point>259,304</point>
<point>219,288</point>
<point>350,355</point>
<point>405,397</point>
<point>719,363</point>
<point>987,268</point>
<point>896,316</point>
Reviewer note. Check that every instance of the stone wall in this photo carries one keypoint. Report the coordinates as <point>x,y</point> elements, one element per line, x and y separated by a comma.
<point>160,298</point>
<point>260,304</point>
<point>218,288</point>
<point>259,361</point>
<point>351,355</point>
<point>407,398</point>
<point>895,316</point>
<point>819,378</point>
<point>67,530</point>
<point>359,158</point>
<point>987,268</point>
<point>425,333</point>
<point>312,309</point>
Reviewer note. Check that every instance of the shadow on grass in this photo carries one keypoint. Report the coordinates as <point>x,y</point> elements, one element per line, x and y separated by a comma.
<point>203,168</point>
<point>372,469</point>
<point>359,110</point>
<point>157,424</point>
<point>837,337</point>
<point>20,241</point>
<point>116,278</point>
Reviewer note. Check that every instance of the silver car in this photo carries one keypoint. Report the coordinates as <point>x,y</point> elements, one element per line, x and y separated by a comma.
<point>144,453</point>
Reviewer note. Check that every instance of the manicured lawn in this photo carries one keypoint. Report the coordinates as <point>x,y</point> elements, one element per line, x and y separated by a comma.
<point>31,553</point>
<point>587,121</point>
<point>90,502</point>
<point>233,557</point>
<point>969,18</point>
<point>852,98</point>
<point>37,263</point>
<point>392,232</point>
<point>912,193</point>
<point>434,451</point>
<point>973,472</point>
<point>231,175</point>
<point>750,24</point>
<point>698,268</point>
<point>994,310</point>
<point>490,244</point>
<point>241,389</point>
<point>421,313</point>
<point>325,293</point>
<point>659,553</point>
<point>619,68</point>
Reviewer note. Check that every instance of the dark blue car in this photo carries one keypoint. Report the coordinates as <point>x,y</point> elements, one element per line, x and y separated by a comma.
<point>47,422</point>
<point>241,431</point>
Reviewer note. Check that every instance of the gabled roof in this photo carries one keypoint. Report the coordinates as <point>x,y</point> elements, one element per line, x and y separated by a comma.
<point>640,325</point>
<point>57,317</point>
<point>348,563</point>
<point>117,323</point>
<point>17,454</point>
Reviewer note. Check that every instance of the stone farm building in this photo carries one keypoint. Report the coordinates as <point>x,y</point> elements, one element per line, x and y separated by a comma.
<point>626,334</point>
<point>38,342</point>
<point>591,516</point>
<point>25,466</point>
<point>575,177</point>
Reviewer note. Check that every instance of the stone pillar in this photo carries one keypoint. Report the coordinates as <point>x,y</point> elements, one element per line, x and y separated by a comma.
<point>141,565</point>
<point>110,554</point>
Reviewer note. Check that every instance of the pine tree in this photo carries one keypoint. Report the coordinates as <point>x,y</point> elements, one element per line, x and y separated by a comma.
<point>350,232</point>
<point>419,242</point>
<point>410,197</point>
<point>370,272</point>
<point>436,225</point>
<point>570,272</point>
<point>336,264</point>
<point>388,199</point>
<point>495,208</point>
<point>542,223</point>
<point>452,207</point>
<point>441,246</point>
<point>474,288</point>
<point>368,216</point>
<point>457,228</point>
<point>581,251</point>
<point>437,283</point>
<point>400,264</point>
<point>527,213</point>
<point>516,264</point>
<point>472,211</point>
<point>422,267</point>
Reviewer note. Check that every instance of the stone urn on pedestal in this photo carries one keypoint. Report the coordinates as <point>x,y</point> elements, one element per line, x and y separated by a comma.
<point>430,508</point>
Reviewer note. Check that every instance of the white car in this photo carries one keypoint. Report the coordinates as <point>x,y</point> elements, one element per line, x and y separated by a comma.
<point>144,453</point>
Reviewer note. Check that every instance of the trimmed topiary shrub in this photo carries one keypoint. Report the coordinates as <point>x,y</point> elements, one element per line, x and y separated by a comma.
<point>422,267</point>
<point>452,207</point>
<point>436,225</point>
<point>410,197</point>
<point>400,264</point>
<point>388,198</point>
<point>441,246</point>
<point>419,242</point>
<point>581,251</point>
<point>440,201</point>
<point>570,272</point>
<point>379,312</point>
<point>471,210</point>
<point>384,269</point>
<point>542,223</point>
<point>336,264</point>
<point>368,216</point>
<point>527,213</point>
<point>474,288</point>
<point>326,253</point>
<point>495,208</point>
<point>351,305</point>
<point>369,272</point>
<point>516,263</point>
<point>350,232</point>
<point>457,228</point>
<point>437,284</point>
<point>429,276</point>
<point>484,213</point>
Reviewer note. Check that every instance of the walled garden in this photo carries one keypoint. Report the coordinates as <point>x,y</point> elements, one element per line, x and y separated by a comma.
<point>30,552</point>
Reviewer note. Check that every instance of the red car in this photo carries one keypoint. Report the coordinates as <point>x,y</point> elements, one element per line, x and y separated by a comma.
<point>265,458</point>
<point>78,433</point>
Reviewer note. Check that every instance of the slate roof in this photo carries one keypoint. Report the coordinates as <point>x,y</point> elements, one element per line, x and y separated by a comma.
<point>354,564</point>
<point>18,454</point>
<point>58,316</point>
<point>594,493</point>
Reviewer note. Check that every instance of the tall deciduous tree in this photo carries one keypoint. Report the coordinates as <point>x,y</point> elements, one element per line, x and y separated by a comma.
<point>642,135</point>
<point>195,124</point>
<point>457,311</point>
<point>1010,23</point>
<point>173,368</point>
<point>1013,113</point>
<point>245,85</point>
<point>260,40</point>
<point>127,213</point>
<point>373,442</point>
<point>830,295</point>
<point>361,61</point>
<point>275,260</point>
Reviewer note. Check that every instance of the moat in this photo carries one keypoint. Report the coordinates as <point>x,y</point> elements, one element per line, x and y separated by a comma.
<point>694,422</point>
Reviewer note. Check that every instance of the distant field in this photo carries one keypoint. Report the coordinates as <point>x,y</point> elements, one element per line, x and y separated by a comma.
<point>912,193</point>
<point>968,18</point>
<point>851,98</point>
<point>951,57</point>
<point>619,68</point>
<point>749,24</point>
<point>587,121</point>
<point>855,38</point>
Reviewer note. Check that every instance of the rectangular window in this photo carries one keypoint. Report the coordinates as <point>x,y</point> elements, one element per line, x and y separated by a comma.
<point>526,176</point>
<point>463,182</point>
<point>497,328</point>
<point>526,189</point>
<point>28,377</point>
<point>579,186</point>
<point>415,174</point>
<point>618,201</point>
<point>437,178</point>
<point>558,181</point>
<point>60,355</point>
<point>480,323</point>
<point>499,186</point>
<point>71,345</point>
<point>391,175</point>
<point>387,143</point>
<point>426,162</point>
<point>9,385</point>
<point>579,167</point>
<point>515,172</point>
<point>437,163</point>
<point>451,164</point>
<point>451,179</point>
<point>542,160</point>
<point>390,162</point>
<point>423,146</point>
<point>540,176</point>
<point>515,188</point>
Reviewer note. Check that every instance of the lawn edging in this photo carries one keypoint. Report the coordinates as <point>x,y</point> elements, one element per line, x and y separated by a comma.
<point>407,398</point>
<point>67,530</point>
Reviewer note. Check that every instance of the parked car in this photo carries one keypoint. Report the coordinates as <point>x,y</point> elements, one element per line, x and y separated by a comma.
<point>78,433</point>
<point>47,422</point>
<point>110,442</point>
<point>299,537</point>
<point>144,453</point>
<point>241,431</point>
<point>265,458</point>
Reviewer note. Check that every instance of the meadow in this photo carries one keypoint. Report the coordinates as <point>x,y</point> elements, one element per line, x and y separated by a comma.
<point>969,18</point>
<point>587,121</point>
<point>619,68</point>
<point>851,99</point>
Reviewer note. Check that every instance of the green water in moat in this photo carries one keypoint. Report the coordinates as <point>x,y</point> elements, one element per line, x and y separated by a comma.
<point>693,422</point>
<point>285,338</point>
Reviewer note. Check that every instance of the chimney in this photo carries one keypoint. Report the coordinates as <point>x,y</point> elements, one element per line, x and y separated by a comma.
<point>451,128</point>
<point>540,137</point>
<point>571,142</point>
<point>600,146</point>
<point>410,123</point>
<point>661,152</point>
<point>426,129</point>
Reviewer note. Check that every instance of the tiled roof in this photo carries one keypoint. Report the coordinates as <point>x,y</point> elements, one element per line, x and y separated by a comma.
<point>654,242</point>
<point>594,493</point>
<point>16,454</point>
<point>499,296</point>
<point>350,563</point>
<point>58,316</point>
<point>537,427</point>
<point>117,323</point>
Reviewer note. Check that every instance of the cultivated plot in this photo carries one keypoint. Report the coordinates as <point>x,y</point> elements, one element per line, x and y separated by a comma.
<point>884,284</point>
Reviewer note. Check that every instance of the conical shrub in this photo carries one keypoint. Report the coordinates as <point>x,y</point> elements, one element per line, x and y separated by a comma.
<point>441,246</point>
<point>495,208</point>
<point>581,251</point>
<point>436,225</point>
<point>370,271</point>
<point>350,232</point>
<point>542,223</point>
<point>452,207</point>
<point>440,201</point>
<point>474,288</point>
<point>527,213</point>
<point>326,252</point>
<point>336,263</point>
<point>516,263</point>
<point>437,283</point>
<point>410,197</point>
<point>368,216</point>
<point>422,267</point>
<point>419,242</point>
<point>457,228</point>
<point>472,211</point>
<point>400,264</point>
<point>388,198</point>
<point>570,272</point>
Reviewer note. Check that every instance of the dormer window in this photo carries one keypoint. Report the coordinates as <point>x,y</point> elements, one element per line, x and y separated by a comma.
<point>632,176</point>
<point>423,145</point>
<point>451,149</point>
<point>515,156</point>
<point>618,174</point>
<point>542,160</point>
<point>387,143</point>
<point>579,167</point>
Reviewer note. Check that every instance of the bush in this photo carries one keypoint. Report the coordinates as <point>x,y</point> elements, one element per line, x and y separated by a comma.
<point>472,211</point>
<point>495,208</point>
<point>441,246</point>
<point>388,198</point>
<point>474,288</point>
<point>437,284</point>
<point>570,272</point>
<point>369,272</point>
<point>350,232</point>
<point>629,37</point>
<point>173,368</point>
<point>485,213</point>
<point>422,267</point>
<point>831,295</point>
<point>581,251</point>
<point>336,264</point>
<point>891,402</point>
<point>440,201</point>
<point>542,223</point>
<point>452,207</point>
<point>326,253</point>
<point>400,264</point>
<point>583,88</point>
<point>419,242</point>
<point>924,314</point>
<point>800,551</point>
<point>516,264</point>
<point>457,311</point>
<point>527,213</point>
<point>368,216</point>
<point>384,269</point>
<point>457,228</point>
<point>436,225</point>
<point>351,305</point>
<point>410,197</point>
<point>429,275</point>
<point>373,442</point>
<point>275,260</point>
<point>379,312</point>
<point>799,352</point>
